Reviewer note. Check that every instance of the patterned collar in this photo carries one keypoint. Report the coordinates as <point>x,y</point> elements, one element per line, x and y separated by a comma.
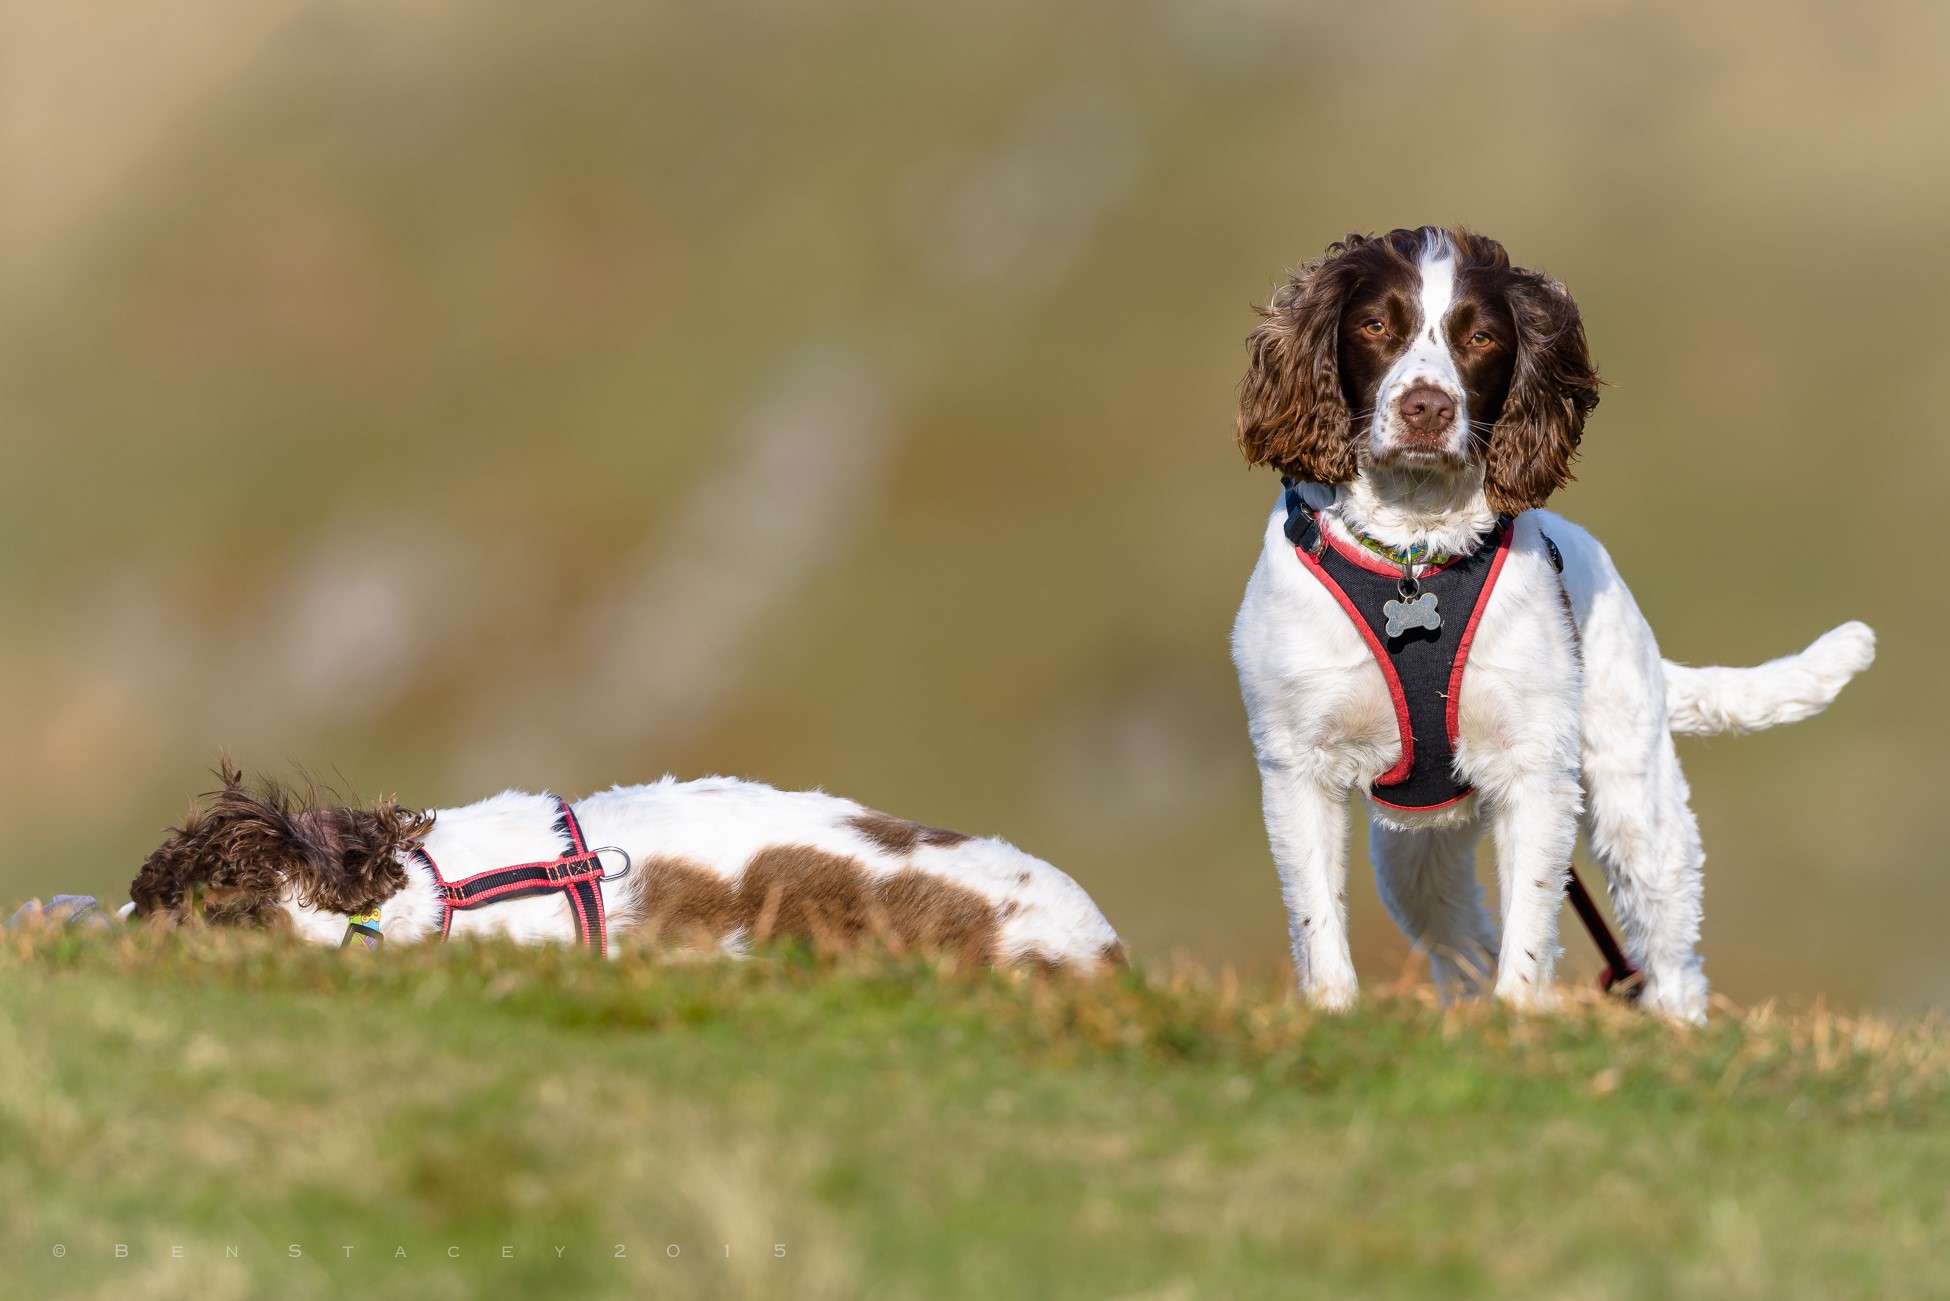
<point>1401,557</point>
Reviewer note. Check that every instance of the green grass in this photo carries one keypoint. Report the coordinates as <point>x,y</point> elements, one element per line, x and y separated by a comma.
<point>904,1131</point>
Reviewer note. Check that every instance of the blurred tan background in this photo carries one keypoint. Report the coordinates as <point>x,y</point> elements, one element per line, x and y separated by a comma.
<point>448,396</point>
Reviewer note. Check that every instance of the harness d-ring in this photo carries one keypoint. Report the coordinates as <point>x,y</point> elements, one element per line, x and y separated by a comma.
<point>608,875</point>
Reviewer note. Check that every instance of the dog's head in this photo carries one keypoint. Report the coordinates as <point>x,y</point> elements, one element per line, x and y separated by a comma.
<point>255,855</point>
<point>1420,349</point>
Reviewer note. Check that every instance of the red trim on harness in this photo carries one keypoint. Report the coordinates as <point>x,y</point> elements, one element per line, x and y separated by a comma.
<point>1401,770</point>
<point>476,898</point>
<point>1469,631</point>
<point>566,870</point>
<point>1422,808</point>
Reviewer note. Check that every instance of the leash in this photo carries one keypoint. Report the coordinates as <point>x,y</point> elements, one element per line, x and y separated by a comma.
<point>578,873</point>
<point>1619,973</point>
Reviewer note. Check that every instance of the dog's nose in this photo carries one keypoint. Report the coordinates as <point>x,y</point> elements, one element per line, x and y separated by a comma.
<point>1427,410</point>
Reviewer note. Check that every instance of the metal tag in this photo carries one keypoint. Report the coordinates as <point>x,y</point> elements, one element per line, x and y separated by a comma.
<point>1418,613</point>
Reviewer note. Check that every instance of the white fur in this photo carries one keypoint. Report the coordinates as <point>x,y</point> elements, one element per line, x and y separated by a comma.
<point>719,824</point>
<point>1426,360</point>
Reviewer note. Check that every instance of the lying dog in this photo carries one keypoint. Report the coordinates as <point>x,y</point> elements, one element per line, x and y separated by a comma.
<point>1424,398</point>
<point>720,862</point>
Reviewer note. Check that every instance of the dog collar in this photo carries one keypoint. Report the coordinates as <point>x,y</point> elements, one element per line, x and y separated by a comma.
<point>1415,554</point>
<point>362,928</point>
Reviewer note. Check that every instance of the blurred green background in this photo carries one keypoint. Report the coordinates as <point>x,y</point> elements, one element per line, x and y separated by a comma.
<point>451,396</point>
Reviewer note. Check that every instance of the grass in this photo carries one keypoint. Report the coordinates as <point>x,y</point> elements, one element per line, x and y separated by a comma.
<point>505,1118</point>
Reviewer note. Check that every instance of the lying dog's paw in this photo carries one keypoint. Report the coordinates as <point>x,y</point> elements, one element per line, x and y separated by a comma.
<point>64,910</point>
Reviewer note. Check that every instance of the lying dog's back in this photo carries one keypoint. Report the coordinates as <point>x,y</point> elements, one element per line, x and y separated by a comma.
<point>728,863</point>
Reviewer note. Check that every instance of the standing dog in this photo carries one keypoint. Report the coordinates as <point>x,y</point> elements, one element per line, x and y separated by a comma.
<point>1418,627</point>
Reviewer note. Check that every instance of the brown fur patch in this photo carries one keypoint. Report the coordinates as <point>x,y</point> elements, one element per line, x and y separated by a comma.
<point>805,892</point>
<point>828,900</point>
<point>926,912</point>
<point>681,901</point>
<point>232,861</point>
<point>898,835</point>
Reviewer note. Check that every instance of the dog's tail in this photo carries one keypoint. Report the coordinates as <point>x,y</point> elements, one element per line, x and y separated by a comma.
<point>1703,701</point>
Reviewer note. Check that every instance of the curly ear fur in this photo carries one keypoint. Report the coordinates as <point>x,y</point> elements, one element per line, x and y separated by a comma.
<point>1292,414</point>
<point>1553,388</point>
<point>232,862</point>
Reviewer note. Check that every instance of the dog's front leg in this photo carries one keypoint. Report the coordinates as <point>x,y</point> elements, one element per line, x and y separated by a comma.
<point>1535,823</point>
<point>1307,823</point>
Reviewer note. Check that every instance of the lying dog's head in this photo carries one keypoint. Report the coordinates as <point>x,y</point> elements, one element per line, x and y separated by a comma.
<point>1420,349</point>
<point>251,855</point>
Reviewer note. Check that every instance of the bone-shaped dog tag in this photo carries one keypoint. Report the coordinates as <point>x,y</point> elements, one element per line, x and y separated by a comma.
<point>1419,613</point>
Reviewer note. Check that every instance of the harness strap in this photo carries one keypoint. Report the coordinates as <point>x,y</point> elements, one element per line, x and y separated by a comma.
<point>577,873</point>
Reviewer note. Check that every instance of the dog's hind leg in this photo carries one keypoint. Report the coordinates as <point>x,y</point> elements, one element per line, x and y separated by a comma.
<point>1638,816</point>
<point>1427,881</point>
<point>1639,823</point>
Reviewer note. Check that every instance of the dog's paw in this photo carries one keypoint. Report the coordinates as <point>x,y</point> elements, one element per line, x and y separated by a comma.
<point>1679,998</point>
<point>1332,996</point>
<point>65,910</point>
<point>1523,996</point>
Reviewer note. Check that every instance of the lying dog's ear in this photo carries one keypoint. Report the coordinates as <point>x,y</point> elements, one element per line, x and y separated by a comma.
<point>241,851</point>
<point>223,865</point>
<point>1553,387</point>
<point>354,862</point>
<point>1292,414</point>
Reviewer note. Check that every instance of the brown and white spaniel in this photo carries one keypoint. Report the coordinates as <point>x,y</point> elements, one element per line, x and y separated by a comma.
<point>1424,398</point>
<point>718,862</point>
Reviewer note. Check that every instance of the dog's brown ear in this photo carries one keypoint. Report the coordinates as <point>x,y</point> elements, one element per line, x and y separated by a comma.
<point>224,865</point>
<point>239,854</point>
<point>1553,387</point>
<point>1292,414</point>
<point>354,863</point>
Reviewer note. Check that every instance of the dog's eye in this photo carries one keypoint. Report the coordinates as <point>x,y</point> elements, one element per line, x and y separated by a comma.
<point>1481,339</point>
<point>1376,328</point>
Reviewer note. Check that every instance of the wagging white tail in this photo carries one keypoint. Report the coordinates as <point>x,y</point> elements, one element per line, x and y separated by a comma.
<point>718,862</point>
<point>1420,629</point>
<point>1706,701</point>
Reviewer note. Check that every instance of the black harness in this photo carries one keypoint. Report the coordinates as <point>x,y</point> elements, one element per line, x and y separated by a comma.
<point>578,873</point>
<point>1422,665</point>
